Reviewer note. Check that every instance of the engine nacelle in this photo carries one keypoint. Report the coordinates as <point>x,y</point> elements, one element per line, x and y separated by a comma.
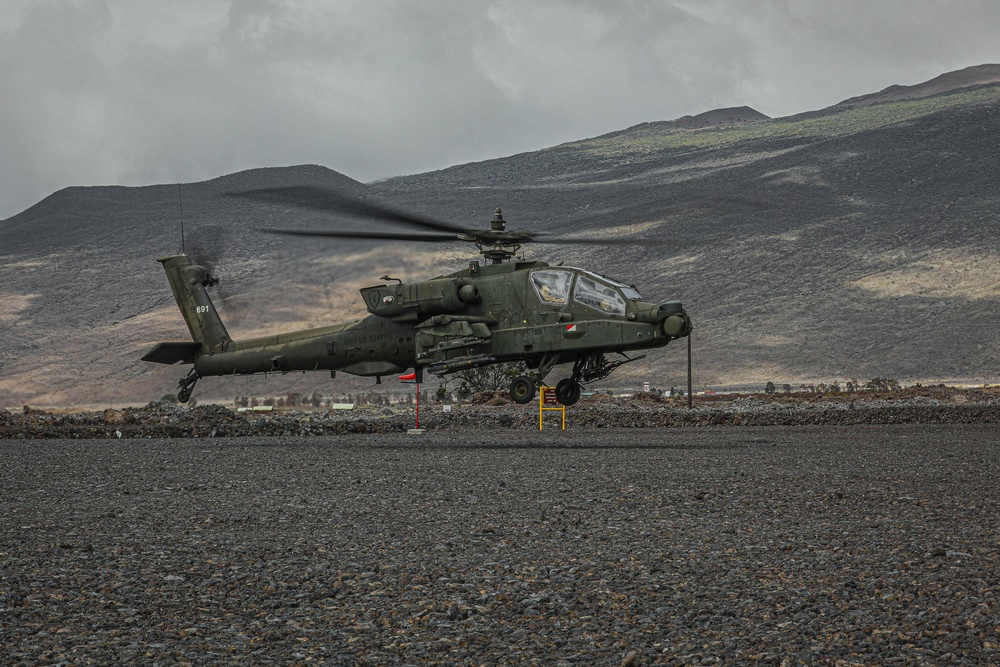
<point>416,301</point>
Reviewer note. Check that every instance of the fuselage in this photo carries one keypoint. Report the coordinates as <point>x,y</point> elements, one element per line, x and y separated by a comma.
<point>491,313</point>
<point>484,314</point>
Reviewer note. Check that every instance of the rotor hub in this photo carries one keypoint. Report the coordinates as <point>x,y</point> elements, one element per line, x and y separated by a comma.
<point>498,224</point>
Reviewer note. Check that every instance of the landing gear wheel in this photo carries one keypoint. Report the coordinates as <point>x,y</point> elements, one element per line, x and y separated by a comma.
<point>568,391</point>
<point>186,386</point>
<point>522,389</point>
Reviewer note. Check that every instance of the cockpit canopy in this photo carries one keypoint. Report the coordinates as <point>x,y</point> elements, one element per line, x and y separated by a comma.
<point>555,286</point>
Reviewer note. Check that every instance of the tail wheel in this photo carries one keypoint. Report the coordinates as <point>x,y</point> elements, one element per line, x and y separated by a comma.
<point>186,385</point>
<point>568,391</point>
<point>522,389</point>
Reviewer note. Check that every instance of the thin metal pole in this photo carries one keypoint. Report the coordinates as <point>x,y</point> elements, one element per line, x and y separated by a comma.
<point>418,405</point>
<point>690,397</point>
<point>180,205</point>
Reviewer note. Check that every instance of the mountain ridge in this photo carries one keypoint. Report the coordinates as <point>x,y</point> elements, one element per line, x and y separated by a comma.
<point>969,77</point>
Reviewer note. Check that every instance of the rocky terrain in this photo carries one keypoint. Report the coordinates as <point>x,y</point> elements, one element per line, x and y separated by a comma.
<point>492,412</point>
<point>805,545</point>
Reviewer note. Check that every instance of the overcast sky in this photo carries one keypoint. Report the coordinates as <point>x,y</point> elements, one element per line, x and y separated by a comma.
<point>132,92</point>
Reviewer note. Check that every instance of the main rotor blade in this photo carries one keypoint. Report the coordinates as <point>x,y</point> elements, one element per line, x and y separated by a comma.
<point>325,200</point>
<point>484,237</point>
<point>379,236</point>
<point>602,241</point>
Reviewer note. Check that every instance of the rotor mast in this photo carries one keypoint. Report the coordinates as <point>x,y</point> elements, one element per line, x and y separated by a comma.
<point>498,245</point>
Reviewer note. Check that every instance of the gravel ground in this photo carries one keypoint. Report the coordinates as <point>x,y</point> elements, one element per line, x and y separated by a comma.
<point>827,545</point>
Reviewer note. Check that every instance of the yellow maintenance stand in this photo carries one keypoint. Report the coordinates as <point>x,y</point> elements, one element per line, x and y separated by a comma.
<point>547,401</point>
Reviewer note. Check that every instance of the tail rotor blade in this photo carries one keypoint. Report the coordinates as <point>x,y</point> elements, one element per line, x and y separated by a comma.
<point>208,246</point>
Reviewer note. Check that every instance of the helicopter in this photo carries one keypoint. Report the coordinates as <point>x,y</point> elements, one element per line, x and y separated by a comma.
<point>500,309</point>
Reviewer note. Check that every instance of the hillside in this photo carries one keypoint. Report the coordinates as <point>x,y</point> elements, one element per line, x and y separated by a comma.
<point>839,243</point>
<point>847,242</point>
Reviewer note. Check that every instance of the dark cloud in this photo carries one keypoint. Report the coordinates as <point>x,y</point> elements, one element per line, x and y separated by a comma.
<point>112,91</point>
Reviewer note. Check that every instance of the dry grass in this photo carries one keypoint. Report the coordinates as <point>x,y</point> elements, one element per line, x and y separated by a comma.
<point>12,305</point>
<point>967,273</point>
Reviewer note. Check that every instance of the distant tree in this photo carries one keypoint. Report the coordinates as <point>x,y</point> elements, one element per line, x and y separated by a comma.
<point>787,388</point>
<point>769,388</point>
<point>169,398</point>
<point>882,384</point>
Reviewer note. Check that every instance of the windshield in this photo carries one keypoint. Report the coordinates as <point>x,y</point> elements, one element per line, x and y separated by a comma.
<point>552,285</point>
<point>628,291</point>
<point>592,291</point>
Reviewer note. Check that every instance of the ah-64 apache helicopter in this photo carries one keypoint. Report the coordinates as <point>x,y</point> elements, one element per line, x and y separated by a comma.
<point>504,310</point>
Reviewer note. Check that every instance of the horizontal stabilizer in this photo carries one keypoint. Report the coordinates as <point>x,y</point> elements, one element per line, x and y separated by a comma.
<point>173,353</point>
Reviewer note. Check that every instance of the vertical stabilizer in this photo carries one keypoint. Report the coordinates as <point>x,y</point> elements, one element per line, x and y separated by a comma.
<point>188,282</point>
